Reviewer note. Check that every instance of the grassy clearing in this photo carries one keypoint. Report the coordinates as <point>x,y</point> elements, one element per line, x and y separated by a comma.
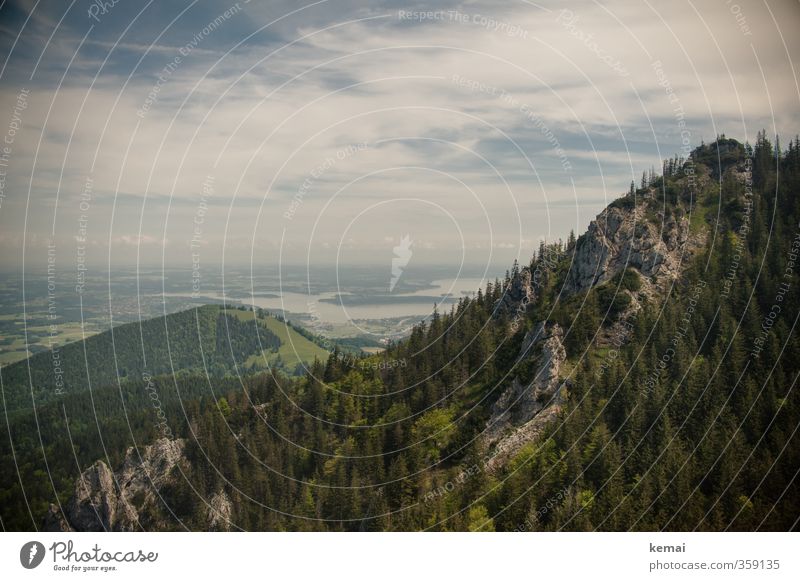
<point>294,347</point>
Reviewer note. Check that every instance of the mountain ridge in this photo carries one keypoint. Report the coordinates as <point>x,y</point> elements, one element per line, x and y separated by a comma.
<point>590,391</point>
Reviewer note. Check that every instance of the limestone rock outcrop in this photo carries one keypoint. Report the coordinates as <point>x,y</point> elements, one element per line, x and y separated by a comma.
<point>114,501</point>
<point>526,406</point>
<point>219,512</point>
<point>620,237</point>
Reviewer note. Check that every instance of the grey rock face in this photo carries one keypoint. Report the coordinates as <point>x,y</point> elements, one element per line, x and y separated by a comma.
<point>622,237</point>
<point>525,407</point>
<point>531,430</point>
<point>108,501</point>
<point>219,512</point>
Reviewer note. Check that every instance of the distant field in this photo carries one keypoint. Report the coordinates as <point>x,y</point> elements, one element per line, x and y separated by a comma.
<point>13,345</point>
<point>7,357</point>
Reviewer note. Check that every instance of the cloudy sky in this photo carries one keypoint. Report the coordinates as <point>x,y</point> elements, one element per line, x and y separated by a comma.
<point>173,132</point>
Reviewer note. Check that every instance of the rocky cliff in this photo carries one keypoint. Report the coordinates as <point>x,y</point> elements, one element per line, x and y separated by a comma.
<point>528,404</point>
<point>633,232</point>
<point>623,236</point>
<point>219,512</point>
<point>630,234</point>
<point>120,501</point>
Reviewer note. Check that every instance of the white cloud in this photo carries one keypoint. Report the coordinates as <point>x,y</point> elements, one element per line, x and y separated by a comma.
<point>265,127</point>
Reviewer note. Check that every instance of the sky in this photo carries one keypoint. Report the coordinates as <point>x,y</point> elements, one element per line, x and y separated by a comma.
<point>335,132</point>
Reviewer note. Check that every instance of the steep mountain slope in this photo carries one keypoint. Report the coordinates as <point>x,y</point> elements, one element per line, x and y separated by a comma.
<point>632,252</point>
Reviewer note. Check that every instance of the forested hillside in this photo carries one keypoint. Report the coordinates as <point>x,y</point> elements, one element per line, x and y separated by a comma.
<point>207,339</point>
<point>639,377</point>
